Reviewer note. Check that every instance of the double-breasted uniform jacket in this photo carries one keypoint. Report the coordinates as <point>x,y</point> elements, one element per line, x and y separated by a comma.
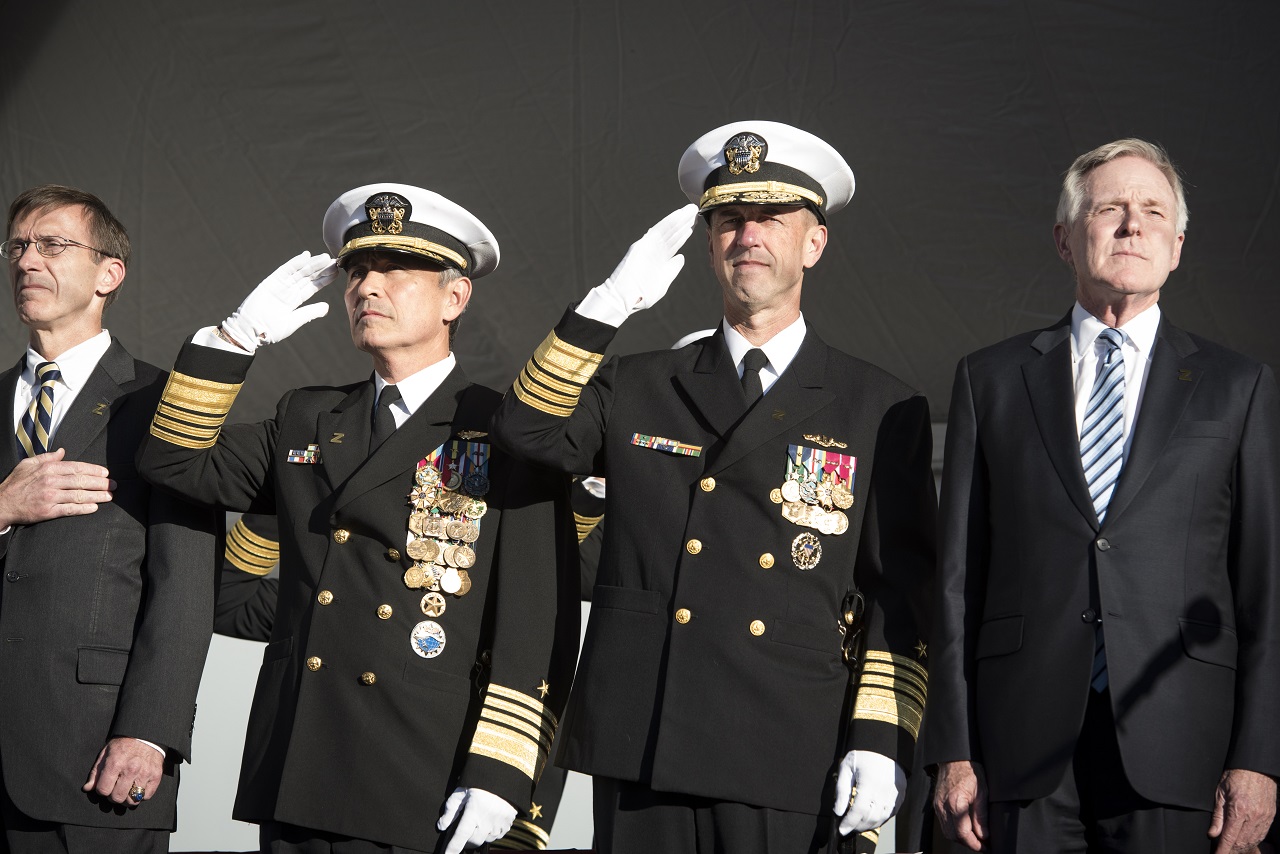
<point>351,730</point>
<point>1183,572</point>
<point>712,663</point>
<point>105,617</point>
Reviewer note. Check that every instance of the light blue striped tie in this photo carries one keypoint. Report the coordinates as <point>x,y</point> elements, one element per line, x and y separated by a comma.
<point>37,422</point>
<point>1102,453</point>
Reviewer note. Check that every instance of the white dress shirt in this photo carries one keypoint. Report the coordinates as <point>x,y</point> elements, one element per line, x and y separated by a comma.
<point>75,365</point>
<point>1139,342</point>
<point>415,388</point>
<point>781,349</point>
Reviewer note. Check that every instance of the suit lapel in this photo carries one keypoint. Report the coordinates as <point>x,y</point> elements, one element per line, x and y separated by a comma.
<point>1052,393</point>
<point>343,434</point>
<point>425,431</point>
<point>713,387</point>
<point>1163,402</point>
<point>796,395</point>
<point>10,452</point>
<point>91,410</point>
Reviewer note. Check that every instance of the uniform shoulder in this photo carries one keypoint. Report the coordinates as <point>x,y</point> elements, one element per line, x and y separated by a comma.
<point>867,374</point>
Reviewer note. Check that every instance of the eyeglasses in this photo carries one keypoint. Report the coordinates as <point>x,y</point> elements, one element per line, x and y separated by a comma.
<point>46,246</point>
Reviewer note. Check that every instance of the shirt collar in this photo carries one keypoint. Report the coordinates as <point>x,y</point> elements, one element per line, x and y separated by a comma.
<point>1139,333</point>
<point>416,388</point>
<point>75,364</point>
<point>780,349</point>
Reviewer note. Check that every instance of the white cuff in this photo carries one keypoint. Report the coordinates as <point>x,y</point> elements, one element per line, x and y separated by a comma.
<point>209,337</point>
<point>599,304</point>
<point>163,752</point>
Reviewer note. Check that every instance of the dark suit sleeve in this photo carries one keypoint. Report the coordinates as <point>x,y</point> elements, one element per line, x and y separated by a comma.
<point>246,606</point>
<point>1255,568</point>
<point>556,413</point>
<point>190,452</point>
<point>894,571</point>
<point>962,525</point>
<point>588,518</point>
<point>157,697</point>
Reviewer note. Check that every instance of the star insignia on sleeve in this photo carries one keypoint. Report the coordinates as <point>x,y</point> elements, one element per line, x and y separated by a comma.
<point>535,811</point>
<point>544,689</point>
<point>921,649</point>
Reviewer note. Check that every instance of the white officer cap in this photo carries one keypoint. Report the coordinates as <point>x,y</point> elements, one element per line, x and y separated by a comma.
<point>401,218</point>
<point>765,163</point>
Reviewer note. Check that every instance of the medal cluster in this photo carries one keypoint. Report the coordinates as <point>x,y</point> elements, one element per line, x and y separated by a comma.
<point>445,522</point>
<point>814,502</point>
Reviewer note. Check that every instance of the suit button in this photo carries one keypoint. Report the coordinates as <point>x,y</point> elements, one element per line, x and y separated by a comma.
<point>1103,544</point>
<point>324,597</point>
<point>313,663</point>
<point>384,612</point>
<point>393,554</point>
<point>683,616</point>
<point>757,628</point>
<point>693,546</point>
<point>708,484</point>
<point>1089,616</point>
<point>368,678</point>
<point>766,560</point>
<point>341,535</point>
<point>12,576</point>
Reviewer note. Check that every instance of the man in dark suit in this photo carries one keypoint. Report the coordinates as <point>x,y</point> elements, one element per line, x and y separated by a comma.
<point>760,486</point>
<point>107,594</point>
<point>1107,640</point>
<point>422,642</point>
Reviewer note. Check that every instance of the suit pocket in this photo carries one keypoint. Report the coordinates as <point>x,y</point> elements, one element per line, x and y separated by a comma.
<point>1000,636</point>
<point>807,637</point>
<point>418,672</point>
<point>1211,642</point>
<point>97,666</point>
<point>1202,430</point>
<point>277,650</point>
<point>626,599</point>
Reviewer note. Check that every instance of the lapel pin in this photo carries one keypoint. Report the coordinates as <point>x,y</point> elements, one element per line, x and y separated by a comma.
<point>100,409</point>
<point>1184,375</point>
<point>779,414</point>
<point>337,438</point>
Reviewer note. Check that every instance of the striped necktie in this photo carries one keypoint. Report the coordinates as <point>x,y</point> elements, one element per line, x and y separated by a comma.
<point>1102,454</point>
<point>37,421</point>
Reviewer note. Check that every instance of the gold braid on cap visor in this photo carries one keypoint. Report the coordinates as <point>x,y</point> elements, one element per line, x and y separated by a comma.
<point>757,193</point>
<point>405,244</point>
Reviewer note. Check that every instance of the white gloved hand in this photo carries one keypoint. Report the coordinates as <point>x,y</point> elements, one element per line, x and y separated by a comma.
<point>645,272</point>
<point>485,817</point>
<point>275,310</point>
<point>880,785</point>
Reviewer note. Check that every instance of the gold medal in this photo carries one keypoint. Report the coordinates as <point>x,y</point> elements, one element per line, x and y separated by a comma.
<point>416,520</point>
<point>775,495</point>
<point>806,551</point>
<point>824,521</point>
<point>822,492</point>
<point>470,532</point>
<point>434,527</point>
<point>464,557</point>
<point>449,555</point>
<point>452,481</point>
<point>841,497</point>
<point>414,577</point>
<point>476,508</point>
<point>426,476</point>
<point>790,491</point>
<point>455,529</point>
<point>794,511</point>
<point>433,604</point>
<point>423,549</point>
<point>466,582</point>
<point>842,522</point>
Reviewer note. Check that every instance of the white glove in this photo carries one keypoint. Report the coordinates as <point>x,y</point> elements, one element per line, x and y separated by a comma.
<point>275,310</point>
<point>645,272</point>
<point>485,817</point>
<point>880,785</point>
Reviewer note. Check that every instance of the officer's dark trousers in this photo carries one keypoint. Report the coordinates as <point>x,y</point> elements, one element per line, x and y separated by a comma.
<point>1094,809</point>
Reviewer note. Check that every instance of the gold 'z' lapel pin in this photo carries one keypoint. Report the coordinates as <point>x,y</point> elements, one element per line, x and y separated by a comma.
<point>337,438</point>
<point>1184,375</point>
<point>100,408</point>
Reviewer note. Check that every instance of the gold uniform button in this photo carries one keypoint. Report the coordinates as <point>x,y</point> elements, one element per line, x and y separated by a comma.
<point>766,560</point>
<point>341,535</point>
<point>313,663</point>
<point>384,612</point>
<point>683,616</point>
<point>368,678</point>
<point>708,484</point>
<point>757,628</point>
<point>393,554</point>
<point>693,546</point>
<point>324,597</point>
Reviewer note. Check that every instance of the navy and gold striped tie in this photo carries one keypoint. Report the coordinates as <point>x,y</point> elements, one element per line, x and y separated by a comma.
<point>1102,455</point>
<point>37,422</point>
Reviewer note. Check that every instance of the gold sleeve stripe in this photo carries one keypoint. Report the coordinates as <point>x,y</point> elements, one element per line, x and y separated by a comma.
<point>535,722</point>
<point>536,381</point>
<point>565,360</point>
<point>509,747</point>
<point>893,689</point>
<point>900,660</point>
<point>543,740</point>
<point>887,706</point>
<point>872,835</point>
<point>913,693</point>
<point>250,552</point>
<point>524,835</point>
<point>533,703</point>
<point>585,525</point>
<point>536,402</point>
<point>192,410</point>
<point>541,377</point>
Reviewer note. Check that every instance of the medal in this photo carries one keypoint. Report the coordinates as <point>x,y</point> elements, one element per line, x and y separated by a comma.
<point>476,484</point>
<point>455,529</point>
<point>806,551</point>
<point>449,555</point>
<point>451,481</point>
<point>826,522</point>
<point>451,581</point>
<point>416,521</point>
<point>841,497</point>
<point>423,550</point>
<point>427,639</point>
<point>466,582</point>
<point>775,495</point>
<point>433,604</point>
<point>790,491</point>
<point>414,577</point>
<point>476,508</point>
<point>464,557</point>
<point>470,532</point>
<point>434,527</point>
<point>842,522</point>
<point>427,476</point>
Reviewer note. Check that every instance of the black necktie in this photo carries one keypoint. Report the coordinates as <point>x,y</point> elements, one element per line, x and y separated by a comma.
<point>752,362</point>
<point>384,424</point>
